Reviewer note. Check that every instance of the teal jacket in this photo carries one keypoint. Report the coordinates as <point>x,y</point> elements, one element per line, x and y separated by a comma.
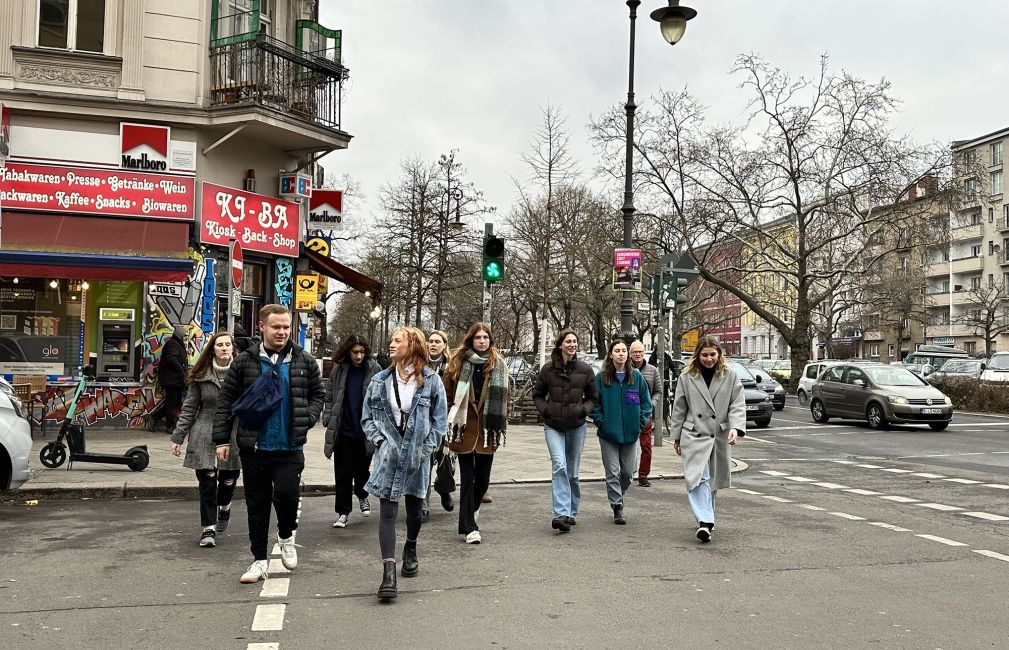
<point>623,409</point>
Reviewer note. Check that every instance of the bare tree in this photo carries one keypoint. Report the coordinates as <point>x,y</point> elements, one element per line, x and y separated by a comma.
<point>987,312</point>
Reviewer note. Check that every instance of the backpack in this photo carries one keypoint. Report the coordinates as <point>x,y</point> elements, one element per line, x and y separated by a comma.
<point>260,400</point>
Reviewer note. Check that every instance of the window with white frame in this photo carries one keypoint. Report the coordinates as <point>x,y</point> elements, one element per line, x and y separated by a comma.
<point>970,186</point>
<point>874,350</point>
<point>996,183</point>
<point>975,218</point>
<point>991,215</point>
<point>975,283</point>
<point>970,347</point>
<point>889,350</point>
<point>975,251</point>
<point>72,24</point>
<point>996,153</point>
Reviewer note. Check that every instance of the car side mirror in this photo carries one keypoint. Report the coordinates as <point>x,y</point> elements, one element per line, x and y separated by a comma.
<point>759,379</point>
<point>858,382</point>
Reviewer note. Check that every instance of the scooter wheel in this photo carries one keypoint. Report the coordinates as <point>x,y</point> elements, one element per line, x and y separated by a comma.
<point>53,455</point>
<point>139,459</point>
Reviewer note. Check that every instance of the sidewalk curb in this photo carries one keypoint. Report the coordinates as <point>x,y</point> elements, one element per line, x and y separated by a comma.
<point>125,491</point>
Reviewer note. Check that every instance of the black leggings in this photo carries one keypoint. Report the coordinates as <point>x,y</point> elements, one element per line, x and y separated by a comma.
<point>216,489</point>
<point>387,524</point>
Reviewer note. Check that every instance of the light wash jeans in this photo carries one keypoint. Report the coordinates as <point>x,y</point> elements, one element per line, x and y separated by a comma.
<point>619,463</point>
<point>702,501</point>
<point>565,449</point>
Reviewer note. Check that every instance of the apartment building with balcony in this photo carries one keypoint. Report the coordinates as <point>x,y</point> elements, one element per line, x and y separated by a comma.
<point>144,135</point>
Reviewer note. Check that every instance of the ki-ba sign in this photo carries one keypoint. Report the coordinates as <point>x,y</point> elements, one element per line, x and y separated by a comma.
<point>262,223</point>
<point>97,191</point>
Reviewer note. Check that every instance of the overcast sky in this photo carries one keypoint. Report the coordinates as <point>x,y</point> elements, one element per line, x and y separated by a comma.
<point>428,76</point>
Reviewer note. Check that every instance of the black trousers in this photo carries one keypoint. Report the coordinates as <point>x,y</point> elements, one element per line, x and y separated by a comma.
<point>388,511</point>
<point>474,477</point>
<point>170,406</point>
<point>271,478</point>
<point>217,486</point>
<point>351,465</point>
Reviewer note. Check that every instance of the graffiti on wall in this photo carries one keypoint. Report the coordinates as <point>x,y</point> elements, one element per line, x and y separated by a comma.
<point>109,404</point>
<point>284,286</point>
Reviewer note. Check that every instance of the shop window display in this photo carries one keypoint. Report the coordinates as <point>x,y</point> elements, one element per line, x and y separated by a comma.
<point>40,326</point>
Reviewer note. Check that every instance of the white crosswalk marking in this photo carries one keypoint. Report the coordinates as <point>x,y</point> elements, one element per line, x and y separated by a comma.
<point>865,493</point>
<point>997,486</point>
<point>276,566</point>
<point>831,486</point>
<point>964,481</point>
<point>941,540</point>
<point>992,554</point>
<point>269,617</point>
<point>897,529</point>
<point>799,479</point>
<point>847,516</point>
<point>897,471</point>
<point>940,506</point>
<point>809,507</point>
<point>748,491</point>
<point>986,516</point>
<point>263,646</point>
<point>870,466</point>
<point>771,472</point>
<point>900,499</point>
<point>275,588</point>
<point>843,462</point>
<point>927,475</point>
<point>778,499</point>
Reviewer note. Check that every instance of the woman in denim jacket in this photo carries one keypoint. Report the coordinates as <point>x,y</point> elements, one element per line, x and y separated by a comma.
<point>404,416</point>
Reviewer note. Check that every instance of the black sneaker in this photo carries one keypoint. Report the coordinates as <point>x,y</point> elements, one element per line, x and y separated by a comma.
<point>208,538</point>
<point>223,519</point>
<point>644,482</point>
<point>561,524</point>
<point>571,521</point>
<point>618,515</point>
<point>447,502</point>
<point>703,534</point>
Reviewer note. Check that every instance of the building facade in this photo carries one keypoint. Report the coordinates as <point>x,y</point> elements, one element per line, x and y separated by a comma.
<point>144,136</point>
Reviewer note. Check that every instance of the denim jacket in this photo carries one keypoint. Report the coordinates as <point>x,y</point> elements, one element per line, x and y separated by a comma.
<point>402,463</point>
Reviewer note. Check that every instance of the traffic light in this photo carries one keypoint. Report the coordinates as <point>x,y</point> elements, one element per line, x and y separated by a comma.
<point>668,289</point>
<point>493,259</point>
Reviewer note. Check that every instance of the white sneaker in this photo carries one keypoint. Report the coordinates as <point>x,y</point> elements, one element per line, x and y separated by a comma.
<point>255,572</point>
<point>341,521</point>
<point>476,516</point>
<point>473,538</point>
<point>288,554</point>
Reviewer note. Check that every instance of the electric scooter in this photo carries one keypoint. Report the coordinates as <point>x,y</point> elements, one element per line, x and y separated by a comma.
<point>54,454</point>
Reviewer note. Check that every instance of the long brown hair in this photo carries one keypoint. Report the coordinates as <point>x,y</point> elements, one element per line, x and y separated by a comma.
<point>202,364</point>
<point>343,353</point>
<point>416,352</point>
<point>695,361</point>
<point>454,367</point>
<point>609,371</point>
<point>557,354</point>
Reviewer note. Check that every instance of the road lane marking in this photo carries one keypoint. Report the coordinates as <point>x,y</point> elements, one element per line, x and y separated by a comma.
<point>986,516</point>
<point>263,646</point>
<point>897,529</point>
<point>799,479</point>
<point>964,481</point>
<point>992,554</point>
<point>772,472</point>
<point>778,499</point>
<point>977,424</point>
<point>756,439</point>
<point>275,588</point>
<point>941,540</point>
<point>927,475</point>
<point>277,566</point>
<point>899,499</point>
<point>843,462</point>
<point>847,516</point>
<point>865,493</point>
<point>269,618</point>
<point>894,470</point>
<point>870,466</point>
<point>754,492</point>
<point>997,486</point>
<point>809,507</point>
<point>831,486</point>
<point>940,506</point>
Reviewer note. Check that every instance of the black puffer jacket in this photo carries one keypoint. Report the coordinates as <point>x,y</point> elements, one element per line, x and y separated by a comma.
<point>174,365</point>
<point>565,393</point>
<point>307,396</point>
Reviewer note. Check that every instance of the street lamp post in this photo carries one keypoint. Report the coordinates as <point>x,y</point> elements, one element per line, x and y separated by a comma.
<point>672,23</point>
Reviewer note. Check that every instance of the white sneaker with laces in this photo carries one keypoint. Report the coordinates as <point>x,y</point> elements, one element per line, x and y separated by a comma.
<point>473,538</point>
<point>365,507</point>
<point>288,553</point>
<point>257,571</point>
<point>341,521</point>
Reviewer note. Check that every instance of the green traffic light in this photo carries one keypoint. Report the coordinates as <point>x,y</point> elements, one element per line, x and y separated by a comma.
<point>492,271</point>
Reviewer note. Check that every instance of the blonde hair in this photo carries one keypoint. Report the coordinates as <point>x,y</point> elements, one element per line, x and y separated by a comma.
<point>416,352</point>
<point>695,361</point>
<point>447,352</point>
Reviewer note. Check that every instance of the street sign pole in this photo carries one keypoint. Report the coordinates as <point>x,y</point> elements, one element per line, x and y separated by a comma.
<point>236,264</point>
<point>658,429</point>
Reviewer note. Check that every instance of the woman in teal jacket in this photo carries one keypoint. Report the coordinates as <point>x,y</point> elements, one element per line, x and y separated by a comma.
<point>623,409</point>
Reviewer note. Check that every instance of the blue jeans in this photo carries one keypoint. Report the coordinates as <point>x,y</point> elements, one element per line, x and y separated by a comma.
<point>565,455</point>
<point>702,501</point>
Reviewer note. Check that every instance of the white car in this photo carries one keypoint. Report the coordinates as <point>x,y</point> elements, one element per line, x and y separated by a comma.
<point>996,368</point>
<point>808,378</point>
<point>15,443</point>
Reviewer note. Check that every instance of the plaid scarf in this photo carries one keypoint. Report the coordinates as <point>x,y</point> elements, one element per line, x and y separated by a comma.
<point>494,400</point>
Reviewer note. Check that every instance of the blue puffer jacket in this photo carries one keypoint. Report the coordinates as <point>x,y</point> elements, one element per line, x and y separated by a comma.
<point>402,464</point>
<point>618,419</point>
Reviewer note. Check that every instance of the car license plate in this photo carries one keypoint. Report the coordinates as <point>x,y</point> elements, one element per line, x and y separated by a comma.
<point>752,407</point>
<point>931,411</point>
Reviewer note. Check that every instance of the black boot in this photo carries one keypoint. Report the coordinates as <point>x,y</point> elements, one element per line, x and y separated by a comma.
<point>387,590</point>
<point>410,564</point>
<point>618,515</point>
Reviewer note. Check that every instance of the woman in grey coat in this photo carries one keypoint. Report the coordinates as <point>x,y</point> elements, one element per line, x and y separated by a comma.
<point>196,422</point>
<point>709,412</point>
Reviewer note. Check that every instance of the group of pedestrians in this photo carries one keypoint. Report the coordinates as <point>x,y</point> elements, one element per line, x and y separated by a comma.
<point>388,430</point>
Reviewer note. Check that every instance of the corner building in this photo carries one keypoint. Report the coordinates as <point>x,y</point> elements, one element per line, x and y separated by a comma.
<point>144,135</point>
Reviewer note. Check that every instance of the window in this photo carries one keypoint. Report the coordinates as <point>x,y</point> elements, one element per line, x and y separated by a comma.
<point>889,350</point>
<point>975,218</point>
<point>970,347</point>
<point>853,374</point>
<point>833,374</point>
<point>72,24</point>
<point>970,186</point>
<point>970,159</point>
<point>945,255</point>
<point>811,371</point>
<point>874,350</point>
<point>1005,283</point>
<point>991,247</point>
<point>996,153</point>
<point>996,183</point>
<point>1005,216</point>
<point>975,251</point>
<point>991,215</point>
<point>945,286</point>
<point>975,283</point>
<point>991,280</point>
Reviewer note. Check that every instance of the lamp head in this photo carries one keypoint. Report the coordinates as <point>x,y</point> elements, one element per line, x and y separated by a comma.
<point>673,20</point>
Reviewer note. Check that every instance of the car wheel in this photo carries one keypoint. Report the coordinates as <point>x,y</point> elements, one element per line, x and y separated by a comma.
<point>819,413</point>
<point>803,397</point>
<point>762,423</point>
<point>876,416</point>
<point>938,426</point>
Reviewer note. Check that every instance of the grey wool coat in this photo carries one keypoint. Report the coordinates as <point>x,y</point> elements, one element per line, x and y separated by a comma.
<point>196,422</point>
<point>701,419</point>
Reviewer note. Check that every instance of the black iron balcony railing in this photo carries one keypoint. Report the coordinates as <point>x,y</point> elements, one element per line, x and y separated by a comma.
<point>266,72</point>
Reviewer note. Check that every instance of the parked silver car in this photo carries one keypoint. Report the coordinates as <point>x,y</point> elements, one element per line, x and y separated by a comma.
<point>881,395</point>
<point>15,444</point>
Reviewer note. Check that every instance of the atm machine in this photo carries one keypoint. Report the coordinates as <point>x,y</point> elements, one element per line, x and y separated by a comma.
<point>116,333</point>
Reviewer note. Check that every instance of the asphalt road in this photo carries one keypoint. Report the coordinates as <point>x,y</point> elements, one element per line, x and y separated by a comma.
<point>817,546</point>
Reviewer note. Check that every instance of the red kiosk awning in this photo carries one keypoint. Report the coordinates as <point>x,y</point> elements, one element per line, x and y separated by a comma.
<point>355,279</point>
